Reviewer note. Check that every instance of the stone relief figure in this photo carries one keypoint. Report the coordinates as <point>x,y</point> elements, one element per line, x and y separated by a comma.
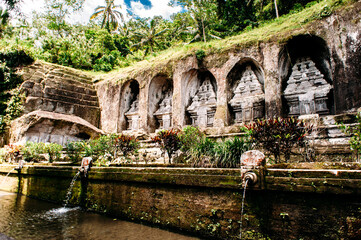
<point>164,112</point>
<point>203,105</point>
<point>248,100</point>
<point>307,90</point>
<point>132,115</point>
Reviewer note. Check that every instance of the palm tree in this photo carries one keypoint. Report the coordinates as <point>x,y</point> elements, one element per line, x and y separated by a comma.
<point>148,35</point>
<point>109,14</point>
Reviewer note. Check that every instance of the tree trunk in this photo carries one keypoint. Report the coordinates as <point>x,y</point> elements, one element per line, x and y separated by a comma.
<point>276,8</point>
<point>204,31</point>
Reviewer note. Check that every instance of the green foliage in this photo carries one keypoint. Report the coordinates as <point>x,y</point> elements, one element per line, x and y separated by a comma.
<point>278,135</point>
<point>169,141</point>
<point>2,124</point>
<point>148,35</point>
<point>228,153</point>
<point>36,151</point>
<point>190,136</point>
<point>200,54</point>
<point>11,99</point>
<point>3,155</point>
<point>355,132</point>
<point>51,38</point>
<point>15,105</point>
<point>104,149</point>
<point>54,151</point>
<point>74,151</point>
<point>4,18</point>
<point>203,152</point>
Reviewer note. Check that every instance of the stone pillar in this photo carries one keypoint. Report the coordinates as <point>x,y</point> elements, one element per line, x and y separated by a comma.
<point>272,81</point>
<point>182,68</point>
<point>221,114</point>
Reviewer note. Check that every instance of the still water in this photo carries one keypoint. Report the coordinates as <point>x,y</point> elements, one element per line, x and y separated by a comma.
<point>26,218</point>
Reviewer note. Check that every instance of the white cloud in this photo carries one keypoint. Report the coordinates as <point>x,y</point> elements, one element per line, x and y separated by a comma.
<point>159,7</point>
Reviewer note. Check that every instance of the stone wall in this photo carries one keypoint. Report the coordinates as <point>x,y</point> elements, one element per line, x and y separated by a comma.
<point>286,204</point>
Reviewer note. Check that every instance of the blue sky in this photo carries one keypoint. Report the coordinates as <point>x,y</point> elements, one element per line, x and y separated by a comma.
<point>146,3</point>
<point>141,8</point>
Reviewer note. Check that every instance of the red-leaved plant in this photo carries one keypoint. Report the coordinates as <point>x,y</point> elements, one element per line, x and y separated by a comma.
<point>168,141</point>
<point>278,135</point>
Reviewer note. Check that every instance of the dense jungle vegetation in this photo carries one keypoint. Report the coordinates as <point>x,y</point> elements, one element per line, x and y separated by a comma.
<point>111,40</point>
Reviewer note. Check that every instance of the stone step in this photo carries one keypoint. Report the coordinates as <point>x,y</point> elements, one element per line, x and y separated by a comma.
<point>69,81</point>
<point>63,73</point>
<point>76,88</point>
<point>71,94</point>
<point>48,94</point>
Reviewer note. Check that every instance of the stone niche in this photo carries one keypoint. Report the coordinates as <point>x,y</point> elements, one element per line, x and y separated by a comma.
<point>164,112</point>
<point>160,103</point>
<point>132,115</point>
<point>203,103</point>
<point>305,71</point>
<point>307,91</point>
<point>129,107</point>
<point>247,101</point>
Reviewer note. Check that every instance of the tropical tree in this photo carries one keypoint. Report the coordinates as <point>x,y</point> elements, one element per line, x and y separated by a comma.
<point>4,18</point>
<point>56,13</point>
<point>148,35</point>
<point>110,16</point>
<point>204,15</point>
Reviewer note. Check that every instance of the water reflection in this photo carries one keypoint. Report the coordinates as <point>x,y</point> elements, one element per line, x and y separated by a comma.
<point>26,218</point>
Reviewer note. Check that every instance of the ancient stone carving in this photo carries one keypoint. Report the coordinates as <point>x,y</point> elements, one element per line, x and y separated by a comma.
<point>307,90</point>
<point>132,115</point>
<point>164,112</point>
<point>248,99</point>
<point>203,105</point>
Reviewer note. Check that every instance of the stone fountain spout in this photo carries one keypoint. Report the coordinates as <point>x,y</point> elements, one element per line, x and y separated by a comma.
<point>251,163</point>
<point>249,179</point>
<point>86,164</point>
<point>20,166</point>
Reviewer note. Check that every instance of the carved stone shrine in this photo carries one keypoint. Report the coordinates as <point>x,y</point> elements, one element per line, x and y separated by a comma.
<point>203,105</point>
<point>307,90</point>
<point>248,100</point>
<point>164,112</point>
<point>132,115</point>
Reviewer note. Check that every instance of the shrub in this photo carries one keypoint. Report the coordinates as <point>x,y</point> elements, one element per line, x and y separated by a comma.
<point>169,141</point>
<point>228,153</point>
<point>278,135</point>
<point>126,144</point>
<point>33,151</point>
<point>2,124</point>
<point>3,155</point>
<point>355,132</point>
<point>10,152</point>
<point>202,152</point>
<point>189,137</point>
<point>36,151</point>
<point>74,151</point>
<point>54,151</point>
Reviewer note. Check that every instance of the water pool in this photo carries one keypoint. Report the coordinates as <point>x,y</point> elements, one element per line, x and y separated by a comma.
<point>26,218</point>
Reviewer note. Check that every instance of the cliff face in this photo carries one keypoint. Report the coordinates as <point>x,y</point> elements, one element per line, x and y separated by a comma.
<point>313,70</point>
<point>61,105</point>
<point>331,47</point>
